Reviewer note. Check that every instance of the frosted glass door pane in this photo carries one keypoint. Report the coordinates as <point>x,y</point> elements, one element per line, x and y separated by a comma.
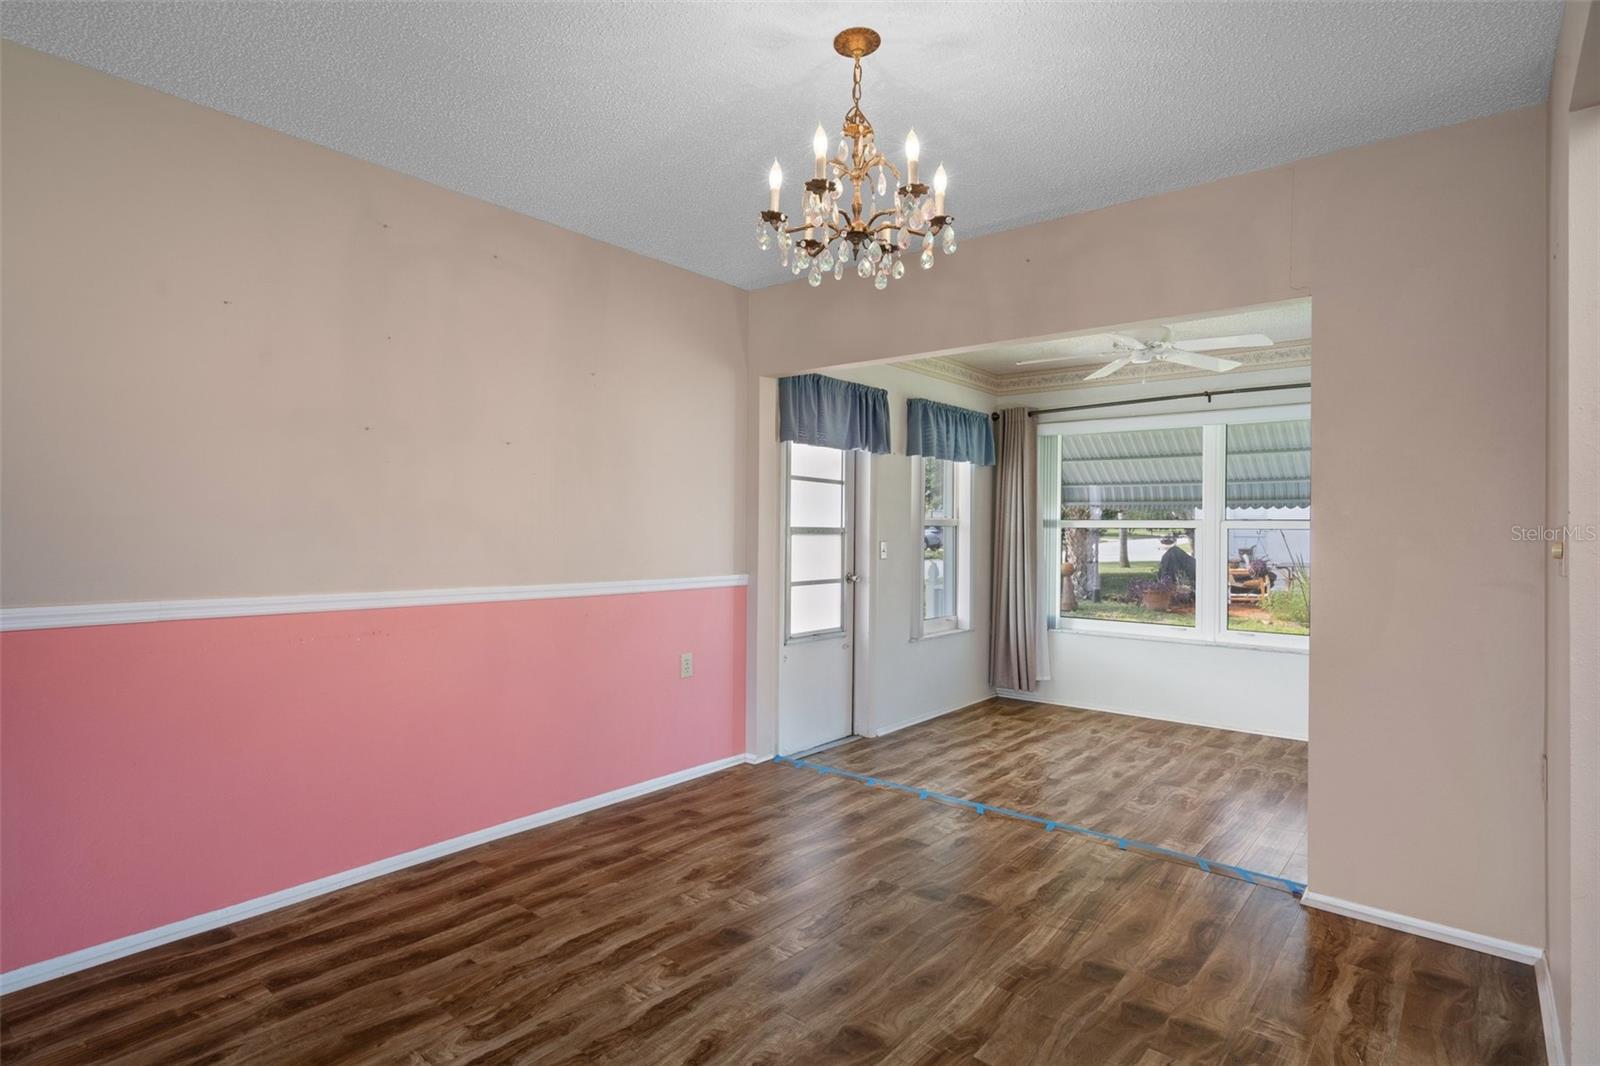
<point>807,461</point>
<point>816,556</point>
<point>815,608</point>
<point>815,504</point>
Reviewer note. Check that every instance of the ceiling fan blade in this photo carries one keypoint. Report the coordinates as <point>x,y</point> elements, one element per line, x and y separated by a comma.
<point>1199,362</point>
<point>1063,358</point>
<point>1109,369</point>
<point>1213,344</point>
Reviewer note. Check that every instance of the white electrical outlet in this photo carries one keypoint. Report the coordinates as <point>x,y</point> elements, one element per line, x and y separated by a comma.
<point>686,664</point>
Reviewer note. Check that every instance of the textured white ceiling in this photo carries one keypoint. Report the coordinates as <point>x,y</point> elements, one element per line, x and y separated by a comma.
<point>1283,322</point>
<point>652,125</point>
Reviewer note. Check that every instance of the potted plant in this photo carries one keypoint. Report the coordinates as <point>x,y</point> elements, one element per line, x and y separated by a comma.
<point>1154,593</point>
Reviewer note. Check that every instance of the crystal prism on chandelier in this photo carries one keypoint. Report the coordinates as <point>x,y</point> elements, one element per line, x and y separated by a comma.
<point>831,232</point>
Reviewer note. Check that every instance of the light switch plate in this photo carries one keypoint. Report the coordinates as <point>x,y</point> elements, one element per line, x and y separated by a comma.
<point>686,664</point>
<point>883,549</point>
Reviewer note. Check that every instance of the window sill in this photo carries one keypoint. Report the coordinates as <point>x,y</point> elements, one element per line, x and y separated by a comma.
<point>1288,645</point>
<point>1190,638</point>
<point>917,638</point>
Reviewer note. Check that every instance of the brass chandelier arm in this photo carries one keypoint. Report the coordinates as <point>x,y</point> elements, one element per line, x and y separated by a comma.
<point>859,173</point>
<point>938,223</point>
<point>826,223</point>
<point>871,226</point>
<point>887,165</point>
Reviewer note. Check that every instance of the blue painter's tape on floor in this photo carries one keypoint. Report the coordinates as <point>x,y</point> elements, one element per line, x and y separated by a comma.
<point>1253,877</point>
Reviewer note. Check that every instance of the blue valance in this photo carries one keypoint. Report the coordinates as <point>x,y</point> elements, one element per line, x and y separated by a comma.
<point>829,413</point>
<point>941,431</point>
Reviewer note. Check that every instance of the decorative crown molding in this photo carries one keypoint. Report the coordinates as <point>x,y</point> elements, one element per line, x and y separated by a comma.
<point>946,368</point>
<point>950,368</point>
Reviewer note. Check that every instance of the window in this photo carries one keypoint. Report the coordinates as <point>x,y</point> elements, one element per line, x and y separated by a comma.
<point>818,545</point>
<point>1269,580</point>
<point>943,504</point>
<point>1130,503</point>
<point>1196,526</point>
<point>1268,523</point>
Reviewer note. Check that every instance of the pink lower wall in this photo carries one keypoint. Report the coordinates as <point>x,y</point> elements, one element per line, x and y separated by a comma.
<point>152,772</point>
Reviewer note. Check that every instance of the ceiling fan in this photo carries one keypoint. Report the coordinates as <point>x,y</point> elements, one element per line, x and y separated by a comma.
<point>1156,346</point>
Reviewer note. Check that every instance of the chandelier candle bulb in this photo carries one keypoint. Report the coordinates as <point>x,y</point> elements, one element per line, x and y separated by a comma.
<point>819,145</point>
<point>775,183</point>
<point>940,182</point>
<point>913,149</point>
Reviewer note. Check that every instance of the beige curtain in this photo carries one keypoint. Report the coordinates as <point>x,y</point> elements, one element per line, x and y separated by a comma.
<point>1014,625</point>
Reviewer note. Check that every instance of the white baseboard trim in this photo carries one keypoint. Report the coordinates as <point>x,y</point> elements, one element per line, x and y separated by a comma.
<point>752,759</point>
<point>1554,1053</point>
<point>1461,938</point>
<point>109,614</point>
<point>1034,697</point>
<point>84,958</point>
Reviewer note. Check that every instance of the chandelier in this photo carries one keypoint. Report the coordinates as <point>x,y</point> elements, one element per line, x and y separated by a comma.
<point>832,232</point>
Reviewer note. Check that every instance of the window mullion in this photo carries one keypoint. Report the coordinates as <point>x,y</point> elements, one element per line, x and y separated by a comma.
<point>1210,593</point>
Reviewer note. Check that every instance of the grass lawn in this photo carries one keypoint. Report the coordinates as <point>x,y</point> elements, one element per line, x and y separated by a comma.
<point>1259,621</point>
<point>1114,581</point>
<point>1115,611</point>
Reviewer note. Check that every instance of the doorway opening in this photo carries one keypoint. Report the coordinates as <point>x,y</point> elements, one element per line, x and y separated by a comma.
<point>816,665</point>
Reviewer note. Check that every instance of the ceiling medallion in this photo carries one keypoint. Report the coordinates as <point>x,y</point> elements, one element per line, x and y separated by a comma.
<point>831,234</point>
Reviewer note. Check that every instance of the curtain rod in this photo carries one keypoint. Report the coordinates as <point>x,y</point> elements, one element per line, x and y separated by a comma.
<point>1208,394</point>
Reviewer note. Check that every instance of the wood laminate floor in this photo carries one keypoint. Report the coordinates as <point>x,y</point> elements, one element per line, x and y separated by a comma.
<point>772,915</point>
<point>1231,797</point>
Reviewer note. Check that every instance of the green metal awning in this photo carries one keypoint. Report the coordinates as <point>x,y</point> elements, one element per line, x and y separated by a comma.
<point>1268,466</point>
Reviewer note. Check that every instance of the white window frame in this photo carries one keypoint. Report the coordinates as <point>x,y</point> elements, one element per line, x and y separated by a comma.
<point>958,549</point>
<point>1211,528</point>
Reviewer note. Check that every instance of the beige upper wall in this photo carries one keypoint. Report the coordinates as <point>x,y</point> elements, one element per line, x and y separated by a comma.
<point>1573,582</point>
<point>236,363</point>
<point>1426,258</point>
<point>1222,245</point>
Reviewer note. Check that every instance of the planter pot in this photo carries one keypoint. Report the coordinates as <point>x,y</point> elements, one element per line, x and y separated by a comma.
<point>1157,601</point>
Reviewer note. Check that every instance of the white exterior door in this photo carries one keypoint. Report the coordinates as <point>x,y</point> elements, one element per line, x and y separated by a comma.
<point>816,674</point>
